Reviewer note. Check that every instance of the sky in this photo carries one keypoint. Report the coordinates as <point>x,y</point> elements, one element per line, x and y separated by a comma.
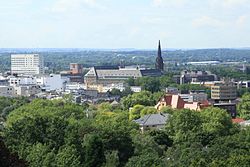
<point>111,24</point>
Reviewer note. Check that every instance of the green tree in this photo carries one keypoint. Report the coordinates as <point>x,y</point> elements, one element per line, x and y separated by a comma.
<point>93,151</point>
<point>183,126</point>
<point>216,121</point>
<point>135,112</point>
<point>67,156</point>
<point>40,155</point>
<point>112,159</point>
<point>143,98</point>
<point>148,110</point>
<point>244,107</point>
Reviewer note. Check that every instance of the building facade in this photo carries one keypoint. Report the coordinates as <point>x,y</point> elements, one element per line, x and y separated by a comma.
<point>108,75</point>
<point>224,91</point>
<point>7,91</point>
<point>28,64</point>
<point>75,68</point>
<point>197,76</point>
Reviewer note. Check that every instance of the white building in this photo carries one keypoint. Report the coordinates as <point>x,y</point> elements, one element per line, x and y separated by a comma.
<point>31,64</point>
<point>136,89</point>
<point>22,81</point>
<point>243,84</point>
<point>53,82</point>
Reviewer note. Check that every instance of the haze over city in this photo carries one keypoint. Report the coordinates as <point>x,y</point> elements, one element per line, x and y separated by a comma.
<point>124,24</point>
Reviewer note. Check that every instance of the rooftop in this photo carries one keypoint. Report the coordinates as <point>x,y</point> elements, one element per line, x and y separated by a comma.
<point>153,119</point>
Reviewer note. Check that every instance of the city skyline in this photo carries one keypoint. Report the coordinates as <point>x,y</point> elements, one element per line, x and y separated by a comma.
<point>110,24</point>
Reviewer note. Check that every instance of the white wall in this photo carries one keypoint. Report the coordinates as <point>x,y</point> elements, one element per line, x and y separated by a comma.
<point>53,82</point>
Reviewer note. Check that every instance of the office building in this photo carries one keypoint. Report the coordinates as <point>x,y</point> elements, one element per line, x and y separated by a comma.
<point>226,91</point>
<point>197,76</point>
<point>27,64</point>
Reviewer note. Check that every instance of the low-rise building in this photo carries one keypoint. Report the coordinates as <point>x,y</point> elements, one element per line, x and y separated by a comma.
<point>53,82</point>
<point>152,121</point>
<point>136,89</point>
<point>7,91</point>
<point>27,91</point>
<point>172,90</point>
<point>22,80</point>
<point>176,102</point>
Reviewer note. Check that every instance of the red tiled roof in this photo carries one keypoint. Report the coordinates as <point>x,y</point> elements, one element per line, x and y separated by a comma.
<point>238,120</point>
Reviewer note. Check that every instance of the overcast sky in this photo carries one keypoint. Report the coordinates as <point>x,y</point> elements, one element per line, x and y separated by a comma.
<point>124,23</point>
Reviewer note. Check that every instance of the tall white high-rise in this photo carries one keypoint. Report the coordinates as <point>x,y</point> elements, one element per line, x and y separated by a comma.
<point>30,64</point>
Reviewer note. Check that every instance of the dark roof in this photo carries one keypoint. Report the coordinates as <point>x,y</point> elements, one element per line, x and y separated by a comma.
<point>151,72</point>
<point>106,67</point>
<point>153,119</point>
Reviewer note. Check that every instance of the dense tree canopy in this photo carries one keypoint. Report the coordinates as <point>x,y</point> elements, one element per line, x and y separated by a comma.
<point>59,133</point>
<point>244,107</point>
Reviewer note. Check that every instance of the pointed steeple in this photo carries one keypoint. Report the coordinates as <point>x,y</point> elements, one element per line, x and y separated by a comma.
<point>159,61</point>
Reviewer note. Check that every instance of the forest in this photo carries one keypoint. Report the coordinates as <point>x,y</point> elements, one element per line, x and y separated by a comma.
<point>59,133</point>
<point>59,59</point>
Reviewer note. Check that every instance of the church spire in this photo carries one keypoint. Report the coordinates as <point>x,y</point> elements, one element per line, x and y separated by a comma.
<point>159,61</point>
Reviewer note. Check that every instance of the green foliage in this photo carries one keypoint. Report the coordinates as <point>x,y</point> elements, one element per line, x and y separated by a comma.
<point>145,98</point>
<point>135,112</point>
<point>147,152</point>
<point>57,133</point>
<point>127,91</point>
<point>148,110</point>
<point>115,132</point>
<point>93,151</point>
<point>67,156</point>
<point>244,107</point>
<point>161,138</point>
<point>216,121</point>
<point>167,109</point>
<point>112,159</point>
<point>183,125</point>
<point>40,155</point>
<point>152,84</point>
<point>9,104</point>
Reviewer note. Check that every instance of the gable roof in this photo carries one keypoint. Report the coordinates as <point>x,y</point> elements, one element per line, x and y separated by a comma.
<point>153,119</point>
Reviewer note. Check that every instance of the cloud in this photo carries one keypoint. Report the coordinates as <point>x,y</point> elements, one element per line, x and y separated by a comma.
<point>206,21</point>
<point>72,5</point>
<point>169,3</point>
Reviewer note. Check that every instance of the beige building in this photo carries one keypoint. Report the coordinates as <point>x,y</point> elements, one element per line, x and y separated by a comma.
<point>28,64</point>
<point>224,91</point>
<point>27,91</point>
<point>107,75</point>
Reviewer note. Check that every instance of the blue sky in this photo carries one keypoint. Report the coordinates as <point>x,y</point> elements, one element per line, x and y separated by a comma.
<point>124,23</point>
